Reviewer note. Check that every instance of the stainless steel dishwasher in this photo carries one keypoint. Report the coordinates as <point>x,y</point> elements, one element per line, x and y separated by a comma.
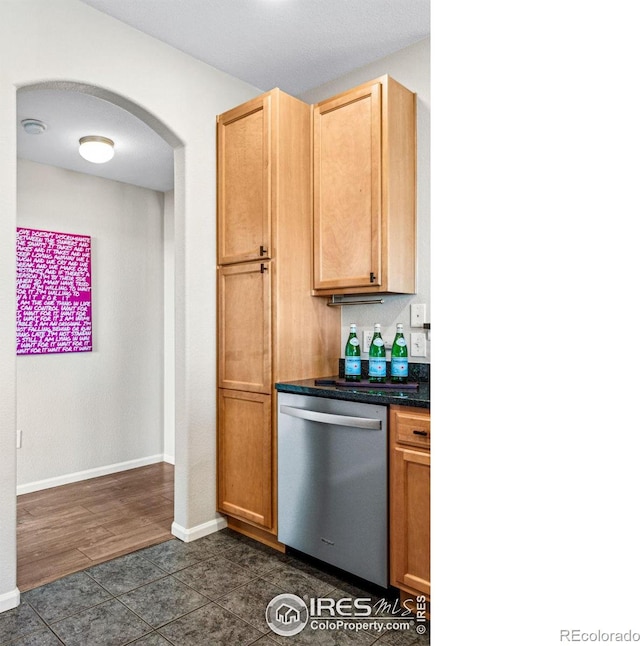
<point>332,482</point>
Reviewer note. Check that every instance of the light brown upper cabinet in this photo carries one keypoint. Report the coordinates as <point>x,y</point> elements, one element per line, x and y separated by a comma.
<point>364,181</point>
<point>244,181</point>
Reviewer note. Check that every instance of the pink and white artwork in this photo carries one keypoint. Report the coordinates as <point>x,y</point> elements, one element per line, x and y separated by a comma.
<point>53,292</point>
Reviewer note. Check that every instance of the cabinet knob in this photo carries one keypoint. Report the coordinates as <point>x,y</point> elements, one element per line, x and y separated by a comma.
<point>263,250</point>
<point>372,277</point>
<point>417,432</point>
<point>263,268</point>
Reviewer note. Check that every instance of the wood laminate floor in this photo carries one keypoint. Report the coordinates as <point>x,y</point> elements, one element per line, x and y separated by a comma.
<point>69,528</point>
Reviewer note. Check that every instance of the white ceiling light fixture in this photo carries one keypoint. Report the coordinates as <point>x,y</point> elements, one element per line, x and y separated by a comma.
<point>95,149</point>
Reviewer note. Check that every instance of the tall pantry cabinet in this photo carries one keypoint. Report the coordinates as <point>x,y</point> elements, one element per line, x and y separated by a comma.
<point>270,328</point>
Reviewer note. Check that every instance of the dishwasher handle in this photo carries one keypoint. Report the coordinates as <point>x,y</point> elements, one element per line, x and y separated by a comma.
<point>330,418</point>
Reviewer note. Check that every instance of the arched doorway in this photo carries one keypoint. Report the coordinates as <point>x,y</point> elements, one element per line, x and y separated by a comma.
<point>90,415</point>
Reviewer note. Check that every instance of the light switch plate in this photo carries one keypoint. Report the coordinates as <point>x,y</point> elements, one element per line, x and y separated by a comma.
<point>418,344</point>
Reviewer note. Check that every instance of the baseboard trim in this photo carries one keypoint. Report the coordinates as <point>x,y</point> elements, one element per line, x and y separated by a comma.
<point>9,600</point>
<point>68,478</point>
<point>188,535</point>
<point>169,459</point>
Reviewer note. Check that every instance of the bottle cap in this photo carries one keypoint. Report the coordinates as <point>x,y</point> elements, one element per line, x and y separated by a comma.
<point>400,327</point>
<point>376,327</point>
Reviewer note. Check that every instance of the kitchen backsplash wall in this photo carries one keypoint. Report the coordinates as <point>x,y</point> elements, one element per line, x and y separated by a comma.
<point>410,67</point>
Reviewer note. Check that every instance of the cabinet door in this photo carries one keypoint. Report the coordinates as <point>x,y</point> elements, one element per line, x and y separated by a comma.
<point>244,327</point>
<point>410,519</point>
<point>244,182</point>
<point>244,456</point>
<point>347,190</point>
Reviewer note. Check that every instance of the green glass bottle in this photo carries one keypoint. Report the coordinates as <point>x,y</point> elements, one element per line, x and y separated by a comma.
<point>377,357</point>
<point>399,358</point>
<point>352,356</point>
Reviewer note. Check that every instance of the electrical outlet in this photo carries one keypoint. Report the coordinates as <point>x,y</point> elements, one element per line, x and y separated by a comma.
<point>367,335</point>
<point>418,344</point>
<point>418,314</point>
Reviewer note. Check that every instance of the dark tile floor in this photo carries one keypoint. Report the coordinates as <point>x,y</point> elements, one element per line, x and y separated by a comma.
<point>210,592</point>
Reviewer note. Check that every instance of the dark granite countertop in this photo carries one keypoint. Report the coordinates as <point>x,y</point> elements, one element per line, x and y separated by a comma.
<point>420,397</point>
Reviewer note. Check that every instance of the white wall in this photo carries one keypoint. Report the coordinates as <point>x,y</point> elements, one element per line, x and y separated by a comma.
<point>64,40</point>
<point>411,67</point>
<point>169,423</point>
<point>80,411</point>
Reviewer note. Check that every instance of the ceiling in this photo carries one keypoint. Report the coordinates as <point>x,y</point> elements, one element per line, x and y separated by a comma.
<point>141,157</point>
<point>295,45</point>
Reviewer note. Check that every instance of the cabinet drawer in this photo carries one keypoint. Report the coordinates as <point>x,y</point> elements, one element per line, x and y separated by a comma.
<point>412,426</point>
